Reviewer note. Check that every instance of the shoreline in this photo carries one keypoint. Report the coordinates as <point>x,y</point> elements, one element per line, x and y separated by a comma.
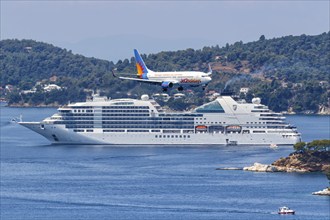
<point>33,106</point>
<point>25,105</point>
<point>303,161</point>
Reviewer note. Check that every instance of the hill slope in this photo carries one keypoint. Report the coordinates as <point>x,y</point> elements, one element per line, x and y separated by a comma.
<point>285,72</point>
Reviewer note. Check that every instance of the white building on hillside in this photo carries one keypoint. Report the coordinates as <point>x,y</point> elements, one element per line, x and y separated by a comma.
<point>179,95</point>
<point>244,90</point>
<point>51,87</point>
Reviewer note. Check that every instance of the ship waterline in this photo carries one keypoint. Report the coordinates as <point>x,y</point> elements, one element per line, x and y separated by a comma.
<point>223,121</point>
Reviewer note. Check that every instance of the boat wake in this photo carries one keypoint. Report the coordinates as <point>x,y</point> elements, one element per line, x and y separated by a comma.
<point>166,208</point>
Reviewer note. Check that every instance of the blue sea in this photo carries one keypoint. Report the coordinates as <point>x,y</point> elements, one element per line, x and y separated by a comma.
<point>44,181</point>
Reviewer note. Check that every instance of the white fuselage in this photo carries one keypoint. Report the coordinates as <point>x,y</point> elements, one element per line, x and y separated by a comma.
<point>187,78</point>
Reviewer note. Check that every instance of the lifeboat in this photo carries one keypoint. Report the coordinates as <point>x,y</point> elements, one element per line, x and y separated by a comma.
<point>233,128</point>
<point>201,128</point>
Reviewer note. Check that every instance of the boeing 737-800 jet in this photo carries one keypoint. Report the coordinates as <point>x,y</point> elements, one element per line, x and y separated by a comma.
<point>168,79</point>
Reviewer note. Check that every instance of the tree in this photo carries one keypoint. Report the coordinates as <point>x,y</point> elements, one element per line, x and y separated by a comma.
<point>319,145</point>
<point>299,147</point>
<point>262,38</point>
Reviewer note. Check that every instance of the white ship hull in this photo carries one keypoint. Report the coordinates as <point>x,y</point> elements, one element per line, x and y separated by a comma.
<point>143,122</point>
<point>58,134</point>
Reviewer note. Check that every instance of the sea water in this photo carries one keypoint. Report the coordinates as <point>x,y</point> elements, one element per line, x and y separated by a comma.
<point>44,181</point>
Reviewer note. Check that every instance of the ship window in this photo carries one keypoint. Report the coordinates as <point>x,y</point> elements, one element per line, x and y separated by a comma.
<point>156,136</point>
<point>259,131</point>
<point>212,107</point>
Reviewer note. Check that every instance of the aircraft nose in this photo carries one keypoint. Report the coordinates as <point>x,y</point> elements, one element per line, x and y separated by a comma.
<point>208,79</point>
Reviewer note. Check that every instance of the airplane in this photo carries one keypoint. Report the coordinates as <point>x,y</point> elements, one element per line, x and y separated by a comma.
<point>168,79</point>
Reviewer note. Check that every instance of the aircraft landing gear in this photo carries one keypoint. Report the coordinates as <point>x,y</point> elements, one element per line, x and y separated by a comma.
<point>180,88</point>
<point>204,87</point>
<point>164,89</point>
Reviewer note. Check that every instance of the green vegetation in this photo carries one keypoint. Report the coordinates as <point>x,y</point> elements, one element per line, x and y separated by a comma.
<point>308,157</point>
<point>290,72</point>
<point>316,145</point>
<point>313,156</point>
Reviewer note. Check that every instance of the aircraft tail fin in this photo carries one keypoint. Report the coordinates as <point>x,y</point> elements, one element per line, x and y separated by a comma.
<point>141,67</point>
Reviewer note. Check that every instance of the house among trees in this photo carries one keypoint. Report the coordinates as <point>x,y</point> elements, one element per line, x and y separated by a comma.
<point>33,90</point>
<point>244,90</point>
<point>324,83</point>
<point>51,87</point>
<point>53,79</point>
<point>9,88</point>
<point>179,96</point>
<point>164,97</point>
<point>28,49</point>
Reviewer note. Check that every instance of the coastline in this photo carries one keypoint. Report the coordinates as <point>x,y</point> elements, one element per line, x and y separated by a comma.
<point>56,105</point>
<point>33,106</point>
<point>303,162</point>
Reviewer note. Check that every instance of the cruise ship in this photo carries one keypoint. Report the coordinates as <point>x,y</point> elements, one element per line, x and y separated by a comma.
<point>223,121</point>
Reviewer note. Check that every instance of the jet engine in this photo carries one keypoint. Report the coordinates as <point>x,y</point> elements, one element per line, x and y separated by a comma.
<point>166,85</point>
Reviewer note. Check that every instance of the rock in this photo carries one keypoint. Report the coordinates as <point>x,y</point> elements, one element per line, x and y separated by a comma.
<point>325,192</point>
<point>297,170</point>
<point>258,167</point>
<point>311,161</point>
<point>271,168</point>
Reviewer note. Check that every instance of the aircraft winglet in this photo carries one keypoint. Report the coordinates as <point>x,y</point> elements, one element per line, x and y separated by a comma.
<point>210,70</point>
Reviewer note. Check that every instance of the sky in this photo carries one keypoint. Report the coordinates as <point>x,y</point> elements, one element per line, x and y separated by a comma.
<point>111,29</point>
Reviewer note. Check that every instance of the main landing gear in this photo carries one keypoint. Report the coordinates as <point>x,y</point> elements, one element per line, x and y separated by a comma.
<point>204,87</point>
<point>180,88</point>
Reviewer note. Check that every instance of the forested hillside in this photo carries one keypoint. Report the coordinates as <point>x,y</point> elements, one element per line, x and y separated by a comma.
<point>288,73</point>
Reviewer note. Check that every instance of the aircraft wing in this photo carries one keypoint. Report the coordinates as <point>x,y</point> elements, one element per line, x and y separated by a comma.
<point>157,82</point>
<point>146,80</point>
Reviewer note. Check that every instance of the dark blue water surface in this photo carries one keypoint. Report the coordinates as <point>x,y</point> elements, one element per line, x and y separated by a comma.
<point>43,181</point>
